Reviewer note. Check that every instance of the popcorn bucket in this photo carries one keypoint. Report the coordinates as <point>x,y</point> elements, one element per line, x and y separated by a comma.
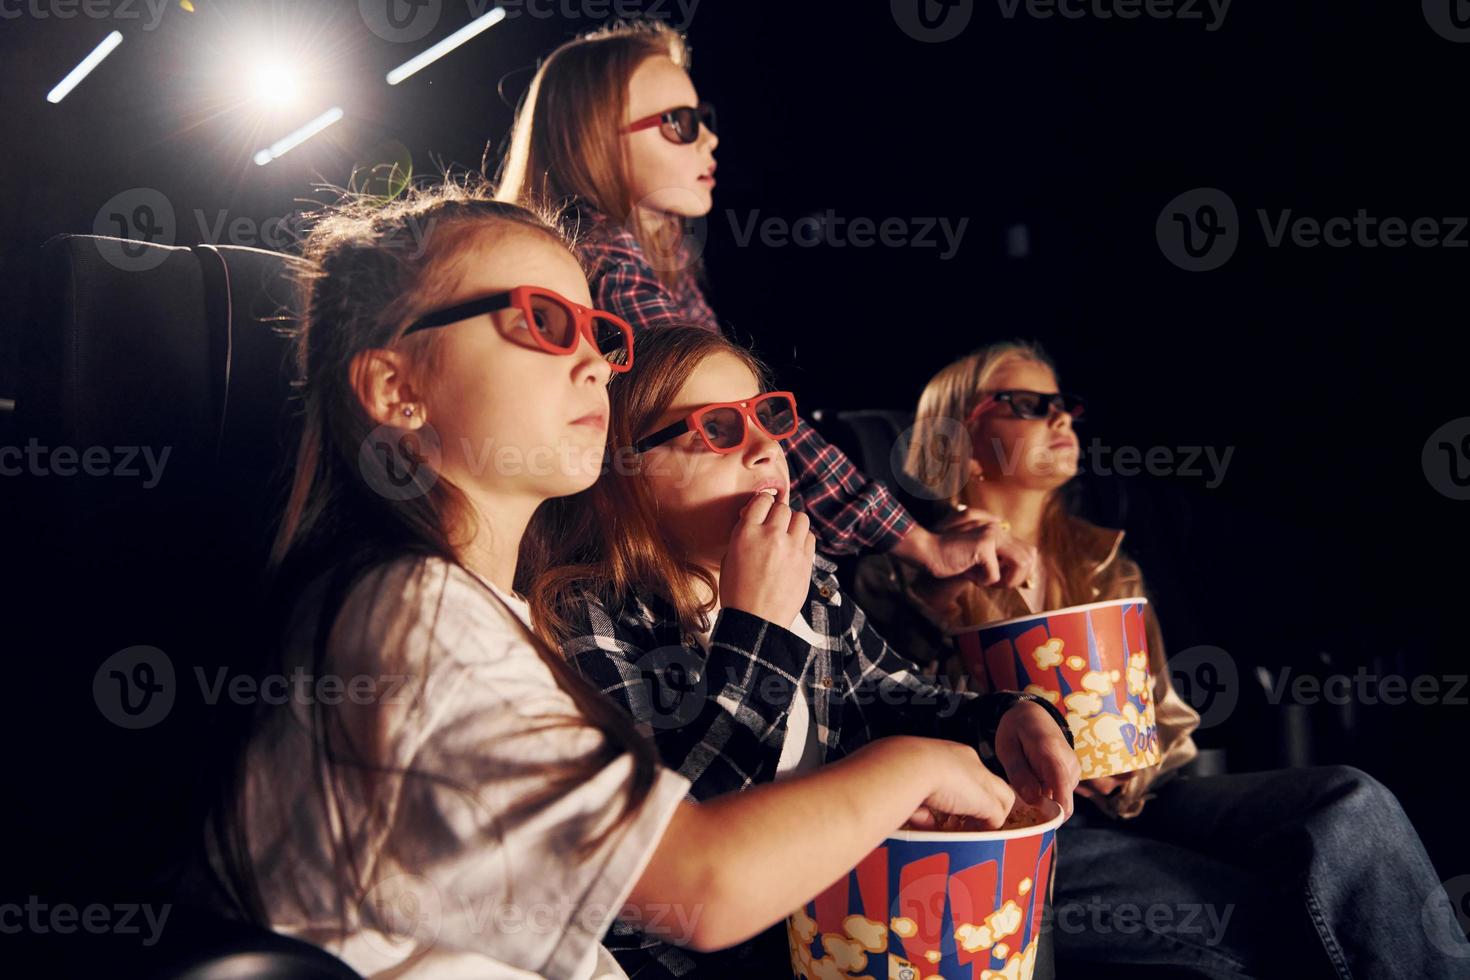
<point>1091,662</point>
<point>965,905</point>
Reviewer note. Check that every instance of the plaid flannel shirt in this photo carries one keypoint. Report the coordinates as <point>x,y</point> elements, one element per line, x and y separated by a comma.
<point>849,512</point>
<point>719,717</point>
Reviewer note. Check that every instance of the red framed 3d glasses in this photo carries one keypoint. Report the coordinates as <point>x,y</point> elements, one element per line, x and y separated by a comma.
<point>551,321</point>
<point>725,427</point>
<point>678,125</point>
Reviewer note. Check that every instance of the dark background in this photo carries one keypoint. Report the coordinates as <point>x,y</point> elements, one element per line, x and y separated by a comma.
<point>1325,548</point>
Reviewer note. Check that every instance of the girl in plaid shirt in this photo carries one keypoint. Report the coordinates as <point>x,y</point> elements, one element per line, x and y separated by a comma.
<point>612,128</point>
<point>685,587</point>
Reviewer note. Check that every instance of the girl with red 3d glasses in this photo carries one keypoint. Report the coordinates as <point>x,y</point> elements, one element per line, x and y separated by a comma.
<point>686,588</point>
<point>612,127</point>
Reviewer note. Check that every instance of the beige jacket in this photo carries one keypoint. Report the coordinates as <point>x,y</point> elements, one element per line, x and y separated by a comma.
<point>890,592</point>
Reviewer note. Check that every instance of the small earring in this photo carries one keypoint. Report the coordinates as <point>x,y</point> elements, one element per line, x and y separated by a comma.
<point>407,411</point>
<point>979,476</point>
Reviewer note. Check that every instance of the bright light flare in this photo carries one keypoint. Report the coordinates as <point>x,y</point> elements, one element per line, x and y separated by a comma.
<point>274,84</point>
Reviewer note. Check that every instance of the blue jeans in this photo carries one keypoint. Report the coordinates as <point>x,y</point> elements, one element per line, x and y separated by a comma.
<point>1295,873</point>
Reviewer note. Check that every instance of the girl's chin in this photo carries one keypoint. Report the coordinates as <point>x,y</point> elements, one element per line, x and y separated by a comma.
<point>1039,482</point>
<point>1051,481</point>
<point>697,203</point>
<point>567,483</point>
<point>691,202</point>
<point>696,212</point>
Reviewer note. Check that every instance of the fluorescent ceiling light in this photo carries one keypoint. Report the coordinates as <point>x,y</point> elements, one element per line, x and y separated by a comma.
<point>284,145</point>
<point>85,68</point>
<point>477,26</point>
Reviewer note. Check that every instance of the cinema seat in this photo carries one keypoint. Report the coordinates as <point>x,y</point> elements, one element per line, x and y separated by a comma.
<point>246,953</point>
<point>180,350</point>
<point>183,350</point>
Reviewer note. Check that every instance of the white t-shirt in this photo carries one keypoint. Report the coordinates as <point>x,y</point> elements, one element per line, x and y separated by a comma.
<point>461,886</point>
<point>801,749</point>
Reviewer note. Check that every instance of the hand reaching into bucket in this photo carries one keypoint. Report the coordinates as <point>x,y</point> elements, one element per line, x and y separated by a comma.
<point>1038,761</point>
<point>961,786</point>
<point>967,547</point>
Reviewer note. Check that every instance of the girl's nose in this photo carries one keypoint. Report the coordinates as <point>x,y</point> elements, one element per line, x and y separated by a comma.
<point>761,448</point>
<point>589,366</point>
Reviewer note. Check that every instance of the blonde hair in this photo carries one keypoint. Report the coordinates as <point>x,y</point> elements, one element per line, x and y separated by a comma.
<point>566,143</point>
<point>940,449</point>
<point>939,457</point>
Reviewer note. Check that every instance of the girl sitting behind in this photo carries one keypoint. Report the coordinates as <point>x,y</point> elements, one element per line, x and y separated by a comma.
<point>685,587</point>
<point>613,128</point>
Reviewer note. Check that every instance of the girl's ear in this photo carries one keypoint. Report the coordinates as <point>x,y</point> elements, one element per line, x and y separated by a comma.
<point>381,380</point>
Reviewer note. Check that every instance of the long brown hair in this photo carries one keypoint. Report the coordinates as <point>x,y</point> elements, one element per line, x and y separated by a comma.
<point>566,145</point>
<point>606,541</point>
<point>371,270</point>
<point>939,457</point>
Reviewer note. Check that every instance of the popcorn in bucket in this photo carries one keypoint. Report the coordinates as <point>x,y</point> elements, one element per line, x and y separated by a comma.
<point>1091,662</point>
